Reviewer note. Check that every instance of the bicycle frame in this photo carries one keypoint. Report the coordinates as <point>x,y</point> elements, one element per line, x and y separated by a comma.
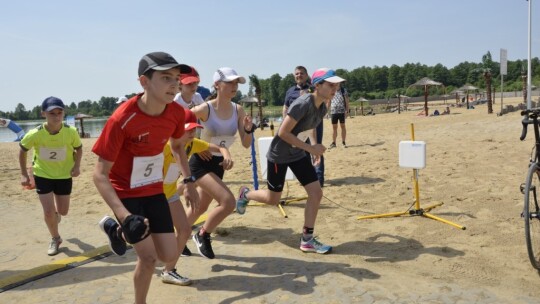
<point>531,117</point>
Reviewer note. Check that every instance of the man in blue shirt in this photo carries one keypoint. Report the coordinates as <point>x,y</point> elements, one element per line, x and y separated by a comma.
<point>303,86</point>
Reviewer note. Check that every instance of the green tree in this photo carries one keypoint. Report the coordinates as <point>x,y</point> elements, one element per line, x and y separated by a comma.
<point>440,73</point>
<point>285,83</point>
<point>395,79</point>
<point>20,112</point>
<point>273,87</point>
<point>35,113</point>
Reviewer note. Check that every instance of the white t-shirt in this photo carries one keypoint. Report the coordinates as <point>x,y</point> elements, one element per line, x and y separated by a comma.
<point>195,100</point>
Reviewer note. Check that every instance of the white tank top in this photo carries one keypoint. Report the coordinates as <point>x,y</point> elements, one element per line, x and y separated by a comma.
<point>221,132</point>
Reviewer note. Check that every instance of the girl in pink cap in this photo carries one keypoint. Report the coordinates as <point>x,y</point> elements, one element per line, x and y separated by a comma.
<point>288,151</point>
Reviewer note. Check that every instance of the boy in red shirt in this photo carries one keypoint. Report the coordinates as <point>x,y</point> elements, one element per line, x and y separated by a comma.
<point>129,170</point>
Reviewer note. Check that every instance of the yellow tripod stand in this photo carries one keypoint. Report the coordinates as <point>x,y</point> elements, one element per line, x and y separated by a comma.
<point>418,211</point>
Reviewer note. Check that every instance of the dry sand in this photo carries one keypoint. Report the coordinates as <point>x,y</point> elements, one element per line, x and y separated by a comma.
<point>475,164</point>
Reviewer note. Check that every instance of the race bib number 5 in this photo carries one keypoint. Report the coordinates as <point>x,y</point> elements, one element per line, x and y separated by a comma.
<point>147,170</point>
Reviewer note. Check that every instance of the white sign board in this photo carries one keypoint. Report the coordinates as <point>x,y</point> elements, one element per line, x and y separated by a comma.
<point>264,145</point>
<point>503,62</point>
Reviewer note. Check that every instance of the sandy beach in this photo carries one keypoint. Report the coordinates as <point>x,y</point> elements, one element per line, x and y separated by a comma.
<point>475,164</point>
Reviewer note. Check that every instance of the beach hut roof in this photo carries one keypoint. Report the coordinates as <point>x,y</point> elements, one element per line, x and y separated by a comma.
<point>468,87</point>
<point>82,115</point>
<point>426,82</point>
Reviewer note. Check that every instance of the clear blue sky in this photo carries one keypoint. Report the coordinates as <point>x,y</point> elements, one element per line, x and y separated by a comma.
<point>80,50</point>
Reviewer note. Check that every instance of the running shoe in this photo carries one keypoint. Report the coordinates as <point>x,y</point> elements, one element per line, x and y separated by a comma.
<point>186,252</point>
<point>332,145</point>
<point>110,227</point>
<point>242,201</point>
<point>204,245</point>
<point>54,245</point>
<point>314,245</point>
<point>172,277</point>
<point>344,145</point>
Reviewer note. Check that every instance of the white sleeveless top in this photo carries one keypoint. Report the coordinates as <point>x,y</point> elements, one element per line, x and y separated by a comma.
<point>221,132</point>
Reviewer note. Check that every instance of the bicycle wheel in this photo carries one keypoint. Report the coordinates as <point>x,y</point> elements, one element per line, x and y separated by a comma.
<point>531,215</point>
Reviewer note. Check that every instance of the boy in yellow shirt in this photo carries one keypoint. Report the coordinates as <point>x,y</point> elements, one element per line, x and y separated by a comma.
<point>57,159</point>
<point>171,173</point>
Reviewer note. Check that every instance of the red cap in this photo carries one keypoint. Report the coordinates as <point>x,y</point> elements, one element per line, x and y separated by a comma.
<point>190,120</point>
<point>191,77</point>
<point>192,125</point>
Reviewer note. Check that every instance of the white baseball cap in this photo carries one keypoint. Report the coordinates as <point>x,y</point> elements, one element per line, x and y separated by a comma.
<point>122,99</point>
<point>227,75</point>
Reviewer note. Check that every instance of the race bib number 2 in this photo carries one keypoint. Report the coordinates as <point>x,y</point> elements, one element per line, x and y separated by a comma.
<point>52,154</point>
<point>147,170</point>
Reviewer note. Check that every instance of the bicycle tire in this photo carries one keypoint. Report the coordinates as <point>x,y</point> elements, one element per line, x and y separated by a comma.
<point>531,215</point>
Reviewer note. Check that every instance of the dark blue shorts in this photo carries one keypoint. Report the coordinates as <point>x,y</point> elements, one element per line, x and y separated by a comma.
<point>338,116</point>
<point>303,170</point>
<point>200,167</point>
<point>58,186</point>
<point>155,208</point>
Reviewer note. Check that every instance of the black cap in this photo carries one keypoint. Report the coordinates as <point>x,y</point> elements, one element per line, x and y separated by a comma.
<point>51,103</point>
<point>160,61</point>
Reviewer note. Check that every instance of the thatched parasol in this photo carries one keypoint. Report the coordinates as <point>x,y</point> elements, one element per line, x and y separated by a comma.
<point>426,83</point>
<point>81,117</point>
<point>468,87</point>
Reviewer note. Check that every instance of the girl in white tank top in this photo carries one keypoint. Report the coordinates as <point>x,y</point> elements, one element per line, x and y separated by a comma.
<point>222,120</point>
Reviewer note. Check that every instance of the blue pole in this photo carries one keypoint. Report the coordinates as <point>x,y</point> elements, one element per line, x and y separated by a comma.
<point>254,163</point>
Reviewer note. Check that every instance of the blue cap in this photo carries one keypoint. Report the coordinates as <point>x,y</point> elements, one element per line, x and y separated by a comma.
<point>51,103</point>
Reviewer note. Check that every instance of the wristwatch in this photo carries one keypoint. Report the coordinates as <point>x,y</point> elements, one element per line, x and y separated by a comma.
<point>189,179</point>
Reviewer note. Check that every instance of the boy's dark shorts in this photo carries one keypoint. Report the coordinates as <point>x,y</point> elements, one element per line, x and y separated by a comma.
<point>58,186</point>
<point>155,208</point>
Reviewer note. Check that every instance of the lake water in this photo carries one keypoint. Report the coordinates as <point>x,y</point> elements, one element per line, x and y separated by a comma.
<point>93,126</point>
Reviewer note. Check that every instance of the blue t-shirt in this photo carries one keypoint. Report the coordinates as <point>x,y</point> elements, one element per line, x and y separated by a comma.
<point>203,91</point>
<point>293,93</point>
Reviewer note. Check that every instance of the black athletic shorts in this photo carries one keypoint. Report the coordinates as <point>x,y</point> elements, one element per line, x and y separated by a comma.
<point>303,170</point>
<point>155,208</point>
<point>200,167</point>
<point>58,186</point>
<point>338,116</point>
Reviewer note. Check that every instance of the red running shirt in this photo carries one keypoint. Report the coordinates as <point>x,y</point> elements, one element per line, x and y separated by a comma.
<point>134,141</point>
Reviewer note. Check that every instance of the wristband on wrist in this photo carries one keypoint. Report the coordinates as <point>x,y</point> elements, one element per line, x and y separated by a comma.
<point>250,131</point>
<point>189,179</point>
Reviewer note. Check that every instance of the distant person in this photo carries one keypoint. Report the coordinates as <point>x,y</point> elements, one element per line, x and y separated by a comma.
<point>188,96</point>
<point>339,110</point>
<point>303,86</point>
<point>121,99</point>
<point>57,159</point>
<point>446,111</point>
<point>288,151</point>
<point>129,170</point>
